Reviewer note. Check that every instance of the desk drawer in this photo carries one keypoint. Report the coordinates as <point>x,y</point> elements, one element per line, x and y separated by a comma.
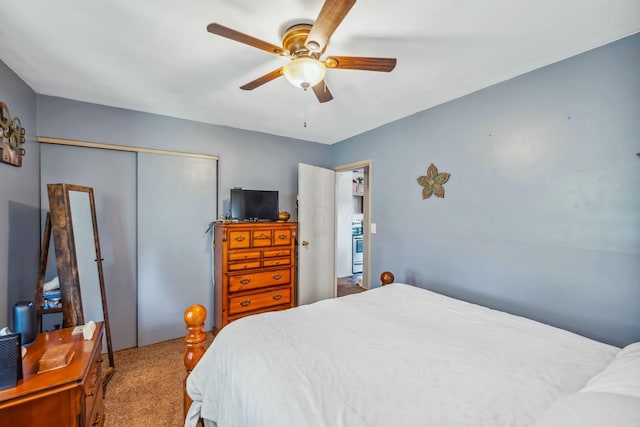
<point>243,282</point>
<point>250,302</point>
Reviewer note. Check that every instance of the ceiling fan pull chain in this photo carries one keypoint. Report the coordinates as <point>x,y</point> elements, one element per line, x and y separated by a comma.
<point>305,116</point>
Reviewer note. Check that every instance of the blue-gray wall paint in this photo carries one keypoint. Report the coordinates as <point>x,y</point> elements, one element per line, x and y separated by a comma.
<point>248,159</point>
<point>541,215</point>
<point>19,203</point>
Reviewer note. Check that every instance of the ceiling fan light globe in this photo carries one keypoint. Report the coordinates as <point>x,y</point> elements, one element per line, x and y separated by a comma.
<point>304,72</point>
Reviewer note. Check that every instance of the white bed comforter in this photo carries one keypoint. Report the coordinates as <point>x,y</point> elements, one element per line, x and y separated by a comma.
<point>392,356</point>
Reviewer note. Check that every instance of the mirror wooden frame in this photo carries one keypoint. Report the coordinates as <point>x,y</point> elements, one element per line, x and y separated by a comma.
<point>64,241</point>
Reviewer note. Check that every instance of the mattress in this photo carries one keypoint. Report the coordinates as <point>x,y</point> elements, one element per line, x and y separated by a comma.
<point>392,356</point>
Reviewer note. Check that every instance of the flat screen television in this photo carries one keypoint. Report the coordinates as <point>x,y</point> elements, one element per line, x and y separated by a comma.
<point>254,205</point>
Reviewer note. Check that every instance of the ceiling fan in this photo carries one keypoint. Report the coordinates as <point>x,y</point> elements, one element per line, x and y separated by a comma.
<point>305,44</point>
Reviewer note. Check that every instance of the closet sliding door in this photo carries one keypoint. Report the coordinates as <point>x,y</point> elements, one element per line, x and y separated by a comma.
<point>176,203</point>
<point>112,175</point>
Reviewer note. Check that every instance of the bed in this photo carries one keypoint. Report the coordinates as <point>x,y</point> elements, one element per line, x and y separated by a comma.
<point>399,355</point>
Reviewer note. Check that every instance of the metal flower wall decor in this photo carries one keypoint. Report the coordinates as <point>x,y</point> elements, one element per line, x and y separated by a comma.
<point>433,182</point>
<point>11,137</point>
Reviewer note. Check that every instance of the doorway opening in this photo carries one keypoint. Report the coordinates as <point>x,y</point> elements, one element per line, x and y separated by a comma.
<point>352,228</point>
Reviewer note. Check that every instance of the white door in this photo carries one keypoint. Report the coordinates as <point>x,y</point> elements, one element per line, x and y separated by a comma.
<point>316,234</point>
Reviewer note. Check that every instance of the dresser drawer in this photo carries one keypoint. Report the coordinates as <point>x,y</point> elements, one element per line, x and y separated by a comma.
<point>276,262</point>
<point>262,310</point>
<point>96,414</point>
<point>241,256</point>
<point>262,238</point>
<point>281,237</point>
<point>239,239</point>
<point>93,385</point>
<point>243,282</point>
<point>244,265</point>
<point>250,302</point>
<point>276,253</point>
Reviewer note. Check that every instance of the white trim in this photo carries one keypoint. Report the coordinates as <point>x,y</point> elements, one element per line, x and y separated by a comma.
<point>366,224</point>
<point>73,142</point>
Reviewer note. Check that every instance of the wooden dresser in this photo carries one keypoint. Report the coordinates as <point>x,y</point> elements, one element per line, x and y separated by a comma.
<point>69,396</point>
<point>254,269</point>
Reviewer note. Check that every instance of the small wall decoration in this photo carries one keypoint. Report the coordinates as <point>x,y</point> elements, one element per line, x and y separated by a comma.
<point>11,137</point>
<point>433,182</point>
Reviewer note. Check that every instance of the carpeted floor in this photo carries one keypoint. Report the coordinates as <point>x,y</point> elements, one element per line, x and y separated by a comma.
<point>146,389</point>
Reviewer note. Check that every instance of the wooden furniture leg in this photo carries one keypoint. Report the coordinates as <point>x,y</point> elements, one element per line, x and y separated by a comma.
<point>194,318</point>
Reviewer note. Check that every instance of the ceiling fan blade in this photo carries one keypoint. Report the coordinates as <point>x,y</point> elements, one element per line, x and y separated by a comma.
<point>264,79</point>
<point>322,92</point>
<point>330,16</point>
<point>232,34</point>
<point>361,63</point>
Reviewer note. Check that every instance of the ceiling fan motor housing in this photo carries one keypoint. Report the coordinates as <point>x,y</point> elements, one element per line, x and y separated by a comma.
<point>294,39</point>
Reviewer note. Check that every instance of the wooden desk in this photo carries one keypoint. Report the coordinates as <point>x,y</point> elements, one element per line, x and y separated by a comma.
<point>70,396</point>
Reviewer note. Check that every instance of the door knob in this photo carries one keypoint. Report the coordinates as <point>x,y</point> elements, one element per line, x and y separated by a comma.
<point>305,243</point>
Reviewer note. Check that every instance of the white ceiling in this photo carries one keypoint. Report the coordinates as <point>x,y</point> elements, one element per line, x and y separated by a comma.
<point>156,55</point>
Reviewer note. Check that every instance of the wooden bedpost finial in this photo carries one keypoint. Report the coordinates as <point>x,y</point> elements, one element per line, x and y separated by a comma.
<point>194,318</point>
<point>387,278</point>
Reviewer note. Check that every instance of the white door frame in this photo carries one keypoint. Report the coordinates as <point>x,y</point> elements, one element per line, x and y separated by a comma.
<point>366,223</point>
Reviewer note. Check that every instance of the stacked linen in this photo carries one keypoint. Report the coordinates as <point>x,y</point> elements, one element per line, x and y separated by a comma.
<point>51,294</point>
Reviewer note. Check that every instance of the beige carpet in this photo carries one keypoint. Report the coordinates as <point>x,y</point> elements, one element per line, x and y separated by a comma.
<point>146,389</point>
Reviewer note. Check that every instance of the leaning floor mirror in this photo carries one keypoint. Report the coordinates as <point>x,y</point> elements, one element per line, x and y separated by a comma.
<point>78,259</point>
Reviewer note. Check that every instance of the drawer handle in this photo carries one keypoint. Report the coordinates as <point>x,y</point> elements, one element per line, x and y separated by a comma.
<point>277,276</point>
<point>245,281</point>
<point>97,419</point>
<point>245,303</point>
<point>93,393</point>
<point>262,237</point>
<point>239,239</point>
<point>282,236</point>
<point>277,297</point>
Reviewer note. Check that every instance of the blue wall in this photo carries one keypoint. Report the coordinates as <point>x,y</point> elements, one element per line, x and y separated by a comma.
<point>19,202</point>
<point>247,159</point>
<point>541,215</point>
